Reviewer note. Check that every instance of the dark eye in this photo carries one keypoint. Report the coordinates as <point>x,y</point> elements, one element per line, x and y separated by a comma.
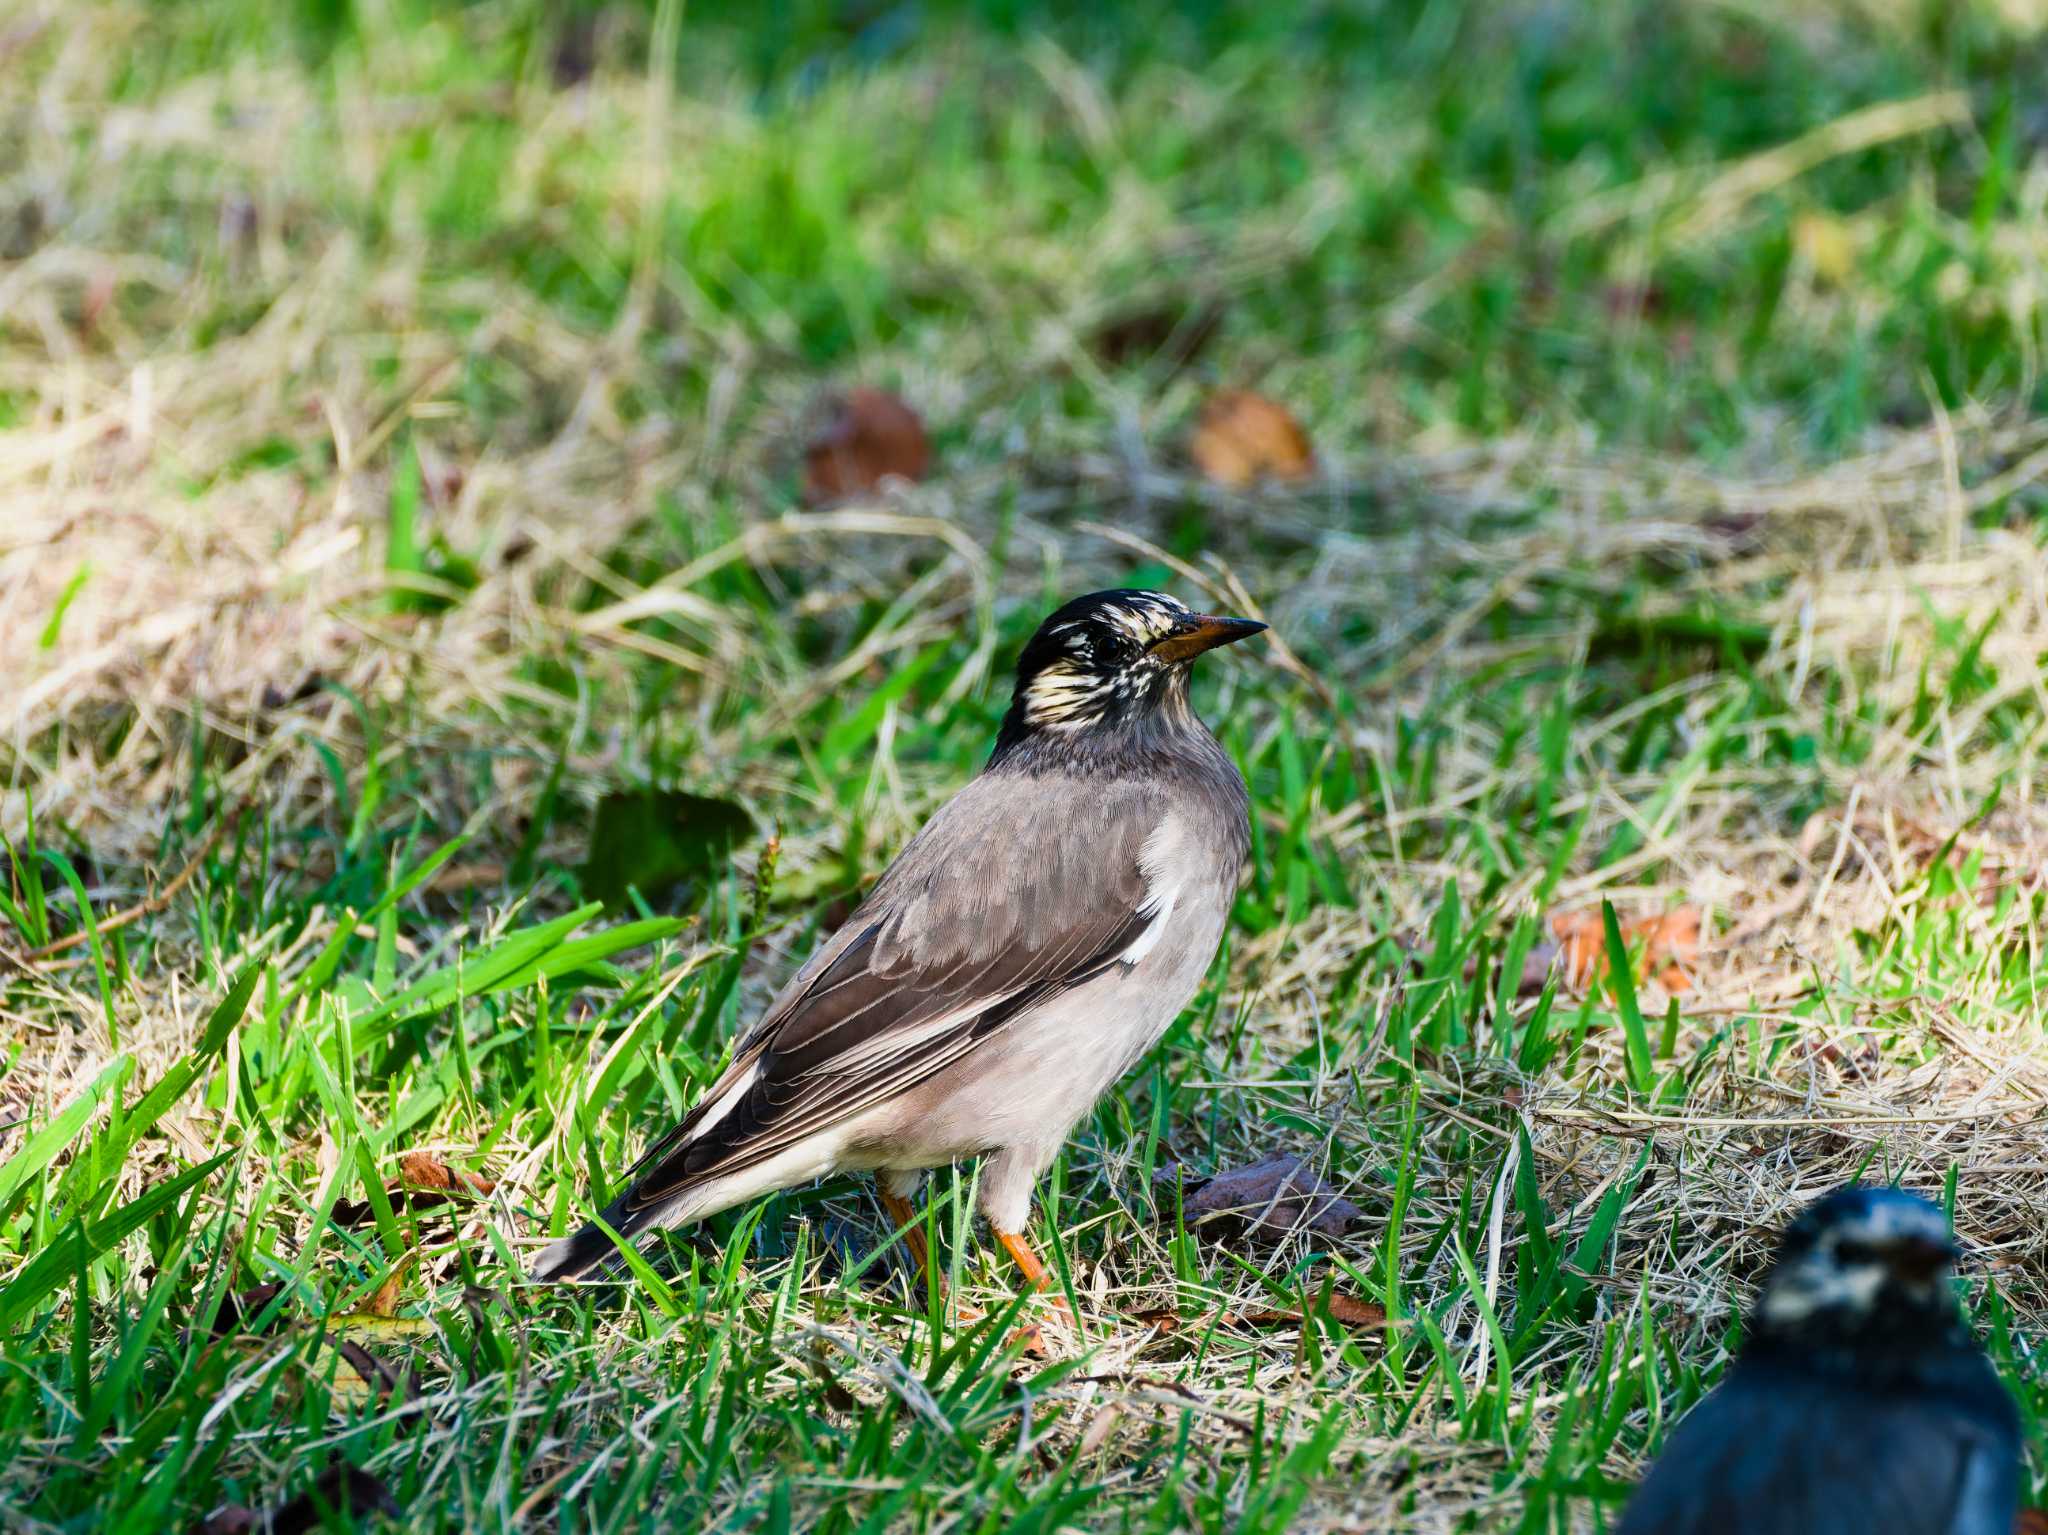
<point>1857,1254</point>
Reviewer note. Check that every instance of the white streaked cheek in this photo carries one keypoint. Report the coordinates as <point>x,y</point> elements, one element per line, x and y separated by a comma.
<point>1060,700</point>
<point>1799,1296</point>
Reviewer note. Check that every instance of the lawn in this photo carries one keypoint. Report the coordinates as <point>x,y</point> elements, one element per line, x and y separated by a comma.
<point>435,721</point>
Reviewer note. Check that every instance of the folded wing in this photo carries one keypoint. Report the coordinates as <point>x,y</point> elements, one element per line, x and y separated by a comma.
<point>985,915</point>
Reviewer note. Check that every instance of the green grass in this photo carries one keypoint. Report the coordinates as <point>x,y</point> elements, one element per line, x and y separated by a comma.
<point>398,462</point>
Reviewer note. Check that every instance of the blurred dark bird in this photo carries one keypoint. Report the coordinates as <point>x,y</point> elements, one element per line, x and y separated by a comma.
<point>1860,1404</point>
<point>1029,944</point>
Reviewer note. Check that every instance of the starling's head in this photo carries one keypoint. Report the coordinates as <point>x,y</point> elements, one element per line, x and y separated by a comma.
<point>1111,660</point>
<point>1860,1262</point>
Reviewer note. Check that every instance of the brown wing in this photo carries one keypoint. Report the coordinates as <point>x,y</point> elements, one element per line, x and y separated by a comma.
<point>1015,890</point>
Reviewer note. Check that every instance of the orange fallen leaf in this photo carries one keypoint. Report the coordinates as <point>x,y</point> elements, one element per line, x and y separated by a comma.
<point>2031,1521</point>
<point>1670,943</point>
<point>1164,1318</point>
<point>1243,437</point>
<point>424,1170</point>
<point>425,1182</point>
<point>870,436</point>
<point>383,1300</point>
<point>1353,1312</point>
<point>1348,1309</point>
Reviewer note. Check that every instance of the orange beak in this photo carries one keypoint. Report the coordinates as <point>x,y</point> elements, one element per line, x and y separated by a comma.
<point>1204,632</point>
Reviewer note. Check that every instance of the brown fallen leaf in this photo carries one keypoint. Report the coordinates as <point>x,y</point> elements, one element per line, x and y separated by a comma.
<point>1243,437</point>
<point>1170,334</point>
<point>425,1182</point>
<point>240,1308</point>
<point>383,1300</point>
<point>423,1169</point>
<point>1164,1318</point>
<point>836,1395</point>
<point>1353,1312</point>
<point>454,878</point>
<point>2031,1521</point>
<point>233,1519</point>
<point>1348,1309</point>
<point>1671,945</point>
<point>870,436</point>
<point>1275,1198</point>
<point>341,1489</point>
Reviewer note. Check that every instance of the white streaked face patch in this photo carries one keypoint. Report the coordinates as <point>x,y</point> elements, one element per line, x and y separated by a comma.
<point>1104,664</point>
<point>1849,1265</point>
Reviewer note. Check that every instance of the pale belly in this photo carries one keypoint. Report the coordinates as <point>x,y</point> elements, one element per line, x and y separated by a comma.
<point>1030,1084</point>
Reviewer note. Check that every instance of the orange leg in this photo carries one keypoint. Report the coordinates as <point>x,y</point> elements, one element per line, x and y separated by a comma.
<point>1034,1272</point>
<point>904,1217</point>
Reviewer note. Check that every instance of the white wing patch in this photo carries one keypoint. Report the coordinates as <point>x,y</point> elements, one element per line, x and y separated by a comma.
<point>1167,861</point>
<point>1160,904</point>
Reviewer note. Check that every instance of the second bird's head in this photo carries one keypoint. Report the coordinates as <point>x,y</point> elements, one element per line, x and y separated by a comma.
<point>1861,1266</point>
<point>1109,663</point>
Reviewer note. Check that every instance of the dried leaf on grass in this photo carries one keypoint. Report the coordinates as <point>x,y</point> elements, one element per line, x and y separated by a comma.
<point>341,1492</point>
<point>1243,437</point>
<point>1169,334</point>
<point>837,1396</point>
<point>1348,1309</point>
<point>870,436</point>
<point>1272,1198</point>
<point>2031,1521</point>
<point>1345,1308</point>
<point>383,1300</point>
<point>425,1182</point>
<point>1670,945</point>
<point>424,1170</point>
<point>239,1309</point>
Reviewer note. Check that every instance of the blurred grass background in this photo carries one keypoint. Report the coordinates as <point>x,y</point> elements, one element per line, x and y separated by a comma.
<point>402,411</point>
